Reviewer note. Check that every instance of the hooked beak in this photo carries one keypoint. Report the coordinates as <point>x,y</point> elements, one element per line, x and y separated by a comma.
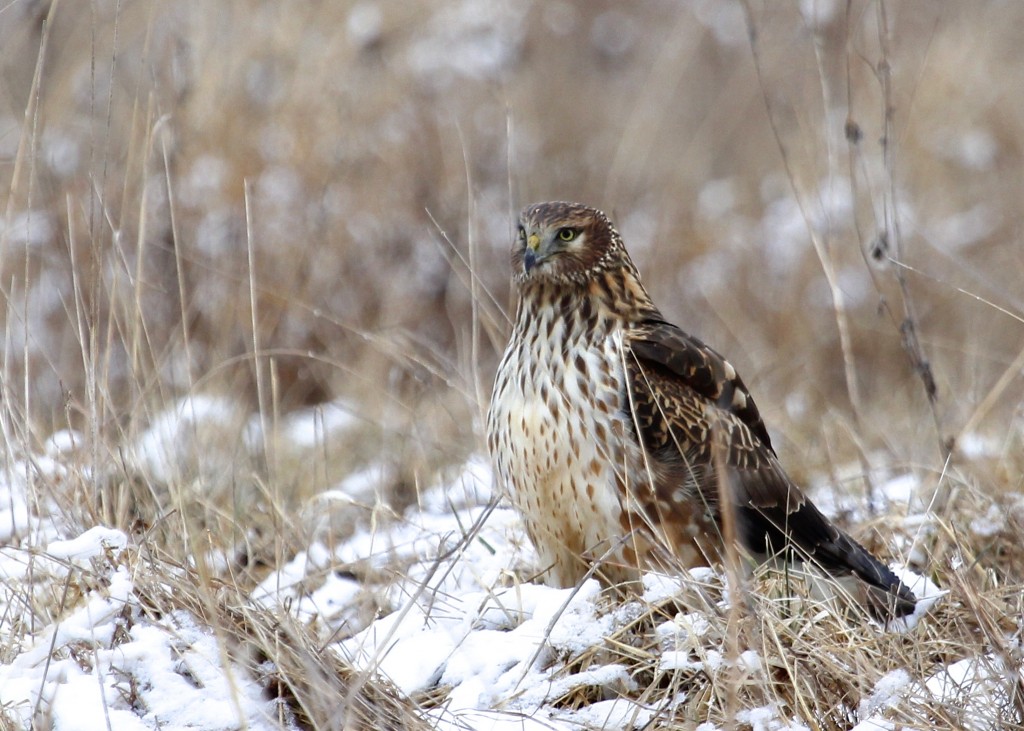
<point>530,257</point>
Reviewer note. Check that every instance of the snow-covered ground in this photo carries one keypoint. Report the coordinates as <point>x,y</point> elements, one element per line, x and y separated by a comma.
<point>456,622</point>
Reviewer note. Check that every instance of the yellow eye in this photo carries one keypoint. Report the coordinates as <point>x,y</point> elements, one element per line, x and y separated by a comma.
<point>567,234</point>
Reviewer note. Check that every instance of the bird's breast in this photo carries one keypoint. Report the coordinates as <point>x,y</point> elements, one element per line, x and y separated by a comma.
<point>565,402</point>
<point>557,427</point>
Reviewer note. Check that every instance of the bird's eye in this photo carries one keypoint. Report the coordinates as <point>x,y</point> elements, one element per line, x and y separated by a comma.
<point>522,234</point>
<point>567,234</point>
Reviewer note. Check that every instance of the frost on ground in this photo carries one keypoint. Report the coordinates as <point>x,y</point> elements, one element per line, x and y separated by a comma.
<point>455,624</point>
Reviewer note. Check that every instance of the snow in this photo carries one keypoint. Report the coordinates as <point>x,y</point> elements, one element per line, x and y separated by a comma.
<point>957,232</point>
<point>888,491</point>
<point>204,180</point>
<point>767,718</point>
<point>92,543</point>
<point>364,25</point>
<point>31,228</point>
<point>977,446</point>
<point>927,593</point>
<point>981,688</point>
<point>446,720</point>
<point>489,646</point>
<point>717,198</point>
<point>819,13</point>
<point>106,666</point>
<point>683,630</point>
<point>887,692</point>
<point>362,487</point>
<point>989,524</point>
<point>975,149</point>
<point>450,612</point>
<point>64,441</point>
<point>15,515</point>
<point>472,39</point>
<point>177,434</point>
<point>875,724</point>
<point>617,713</point>
<point>314,426</point>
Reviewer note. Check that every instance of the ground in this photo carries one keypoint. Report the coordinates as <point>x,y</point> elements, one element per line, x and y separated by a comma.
<point>435,605</point>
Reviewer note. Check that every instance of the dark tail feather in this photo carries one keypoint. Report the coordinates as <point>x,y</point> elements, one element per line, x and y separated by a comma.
<point>802,531</point>
<point>887,596</point>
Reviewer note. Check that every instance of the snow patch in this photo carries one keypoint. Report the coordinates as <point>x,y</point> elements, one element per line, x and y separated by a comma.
<point>176,436</point>
<point>887,693</point>
<point>94,542</point>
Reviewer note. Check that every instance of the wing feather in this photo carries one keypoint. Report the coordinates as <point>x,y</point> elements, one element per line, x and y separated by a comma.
<point>693,413</point>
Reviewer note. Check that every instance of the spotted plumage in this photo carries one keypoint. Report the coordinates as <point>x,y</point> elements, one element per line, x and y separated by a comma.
<point>615,431</point>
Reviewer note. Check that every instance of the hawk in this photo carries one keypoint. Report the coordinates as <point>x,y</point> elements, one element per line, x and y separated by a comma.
<point>626,443</point>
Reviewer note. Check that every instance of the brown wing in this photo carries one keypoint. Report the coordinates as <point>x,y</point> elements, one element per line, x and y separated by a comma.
<point>700,369</point>
<point>693,413</point>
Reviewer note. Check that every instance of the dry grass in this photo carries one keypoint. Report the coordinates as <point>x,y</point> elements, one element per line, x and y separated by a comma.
<point>282,204</point>
<point>315,688</point>
<point>698,657</point>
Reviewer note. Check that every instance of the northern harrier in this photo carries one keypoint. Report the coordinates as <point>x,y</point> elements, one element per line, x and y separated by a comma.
<point>616,432</point>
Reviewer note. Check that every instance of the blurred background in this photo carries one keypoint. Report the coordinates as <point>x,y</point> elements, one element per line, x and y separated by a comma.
<point>300,203</point>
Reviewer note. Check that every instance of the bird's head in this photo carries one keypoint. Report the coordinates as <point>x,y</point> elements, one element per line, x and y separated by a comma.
<point>564,243</point>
